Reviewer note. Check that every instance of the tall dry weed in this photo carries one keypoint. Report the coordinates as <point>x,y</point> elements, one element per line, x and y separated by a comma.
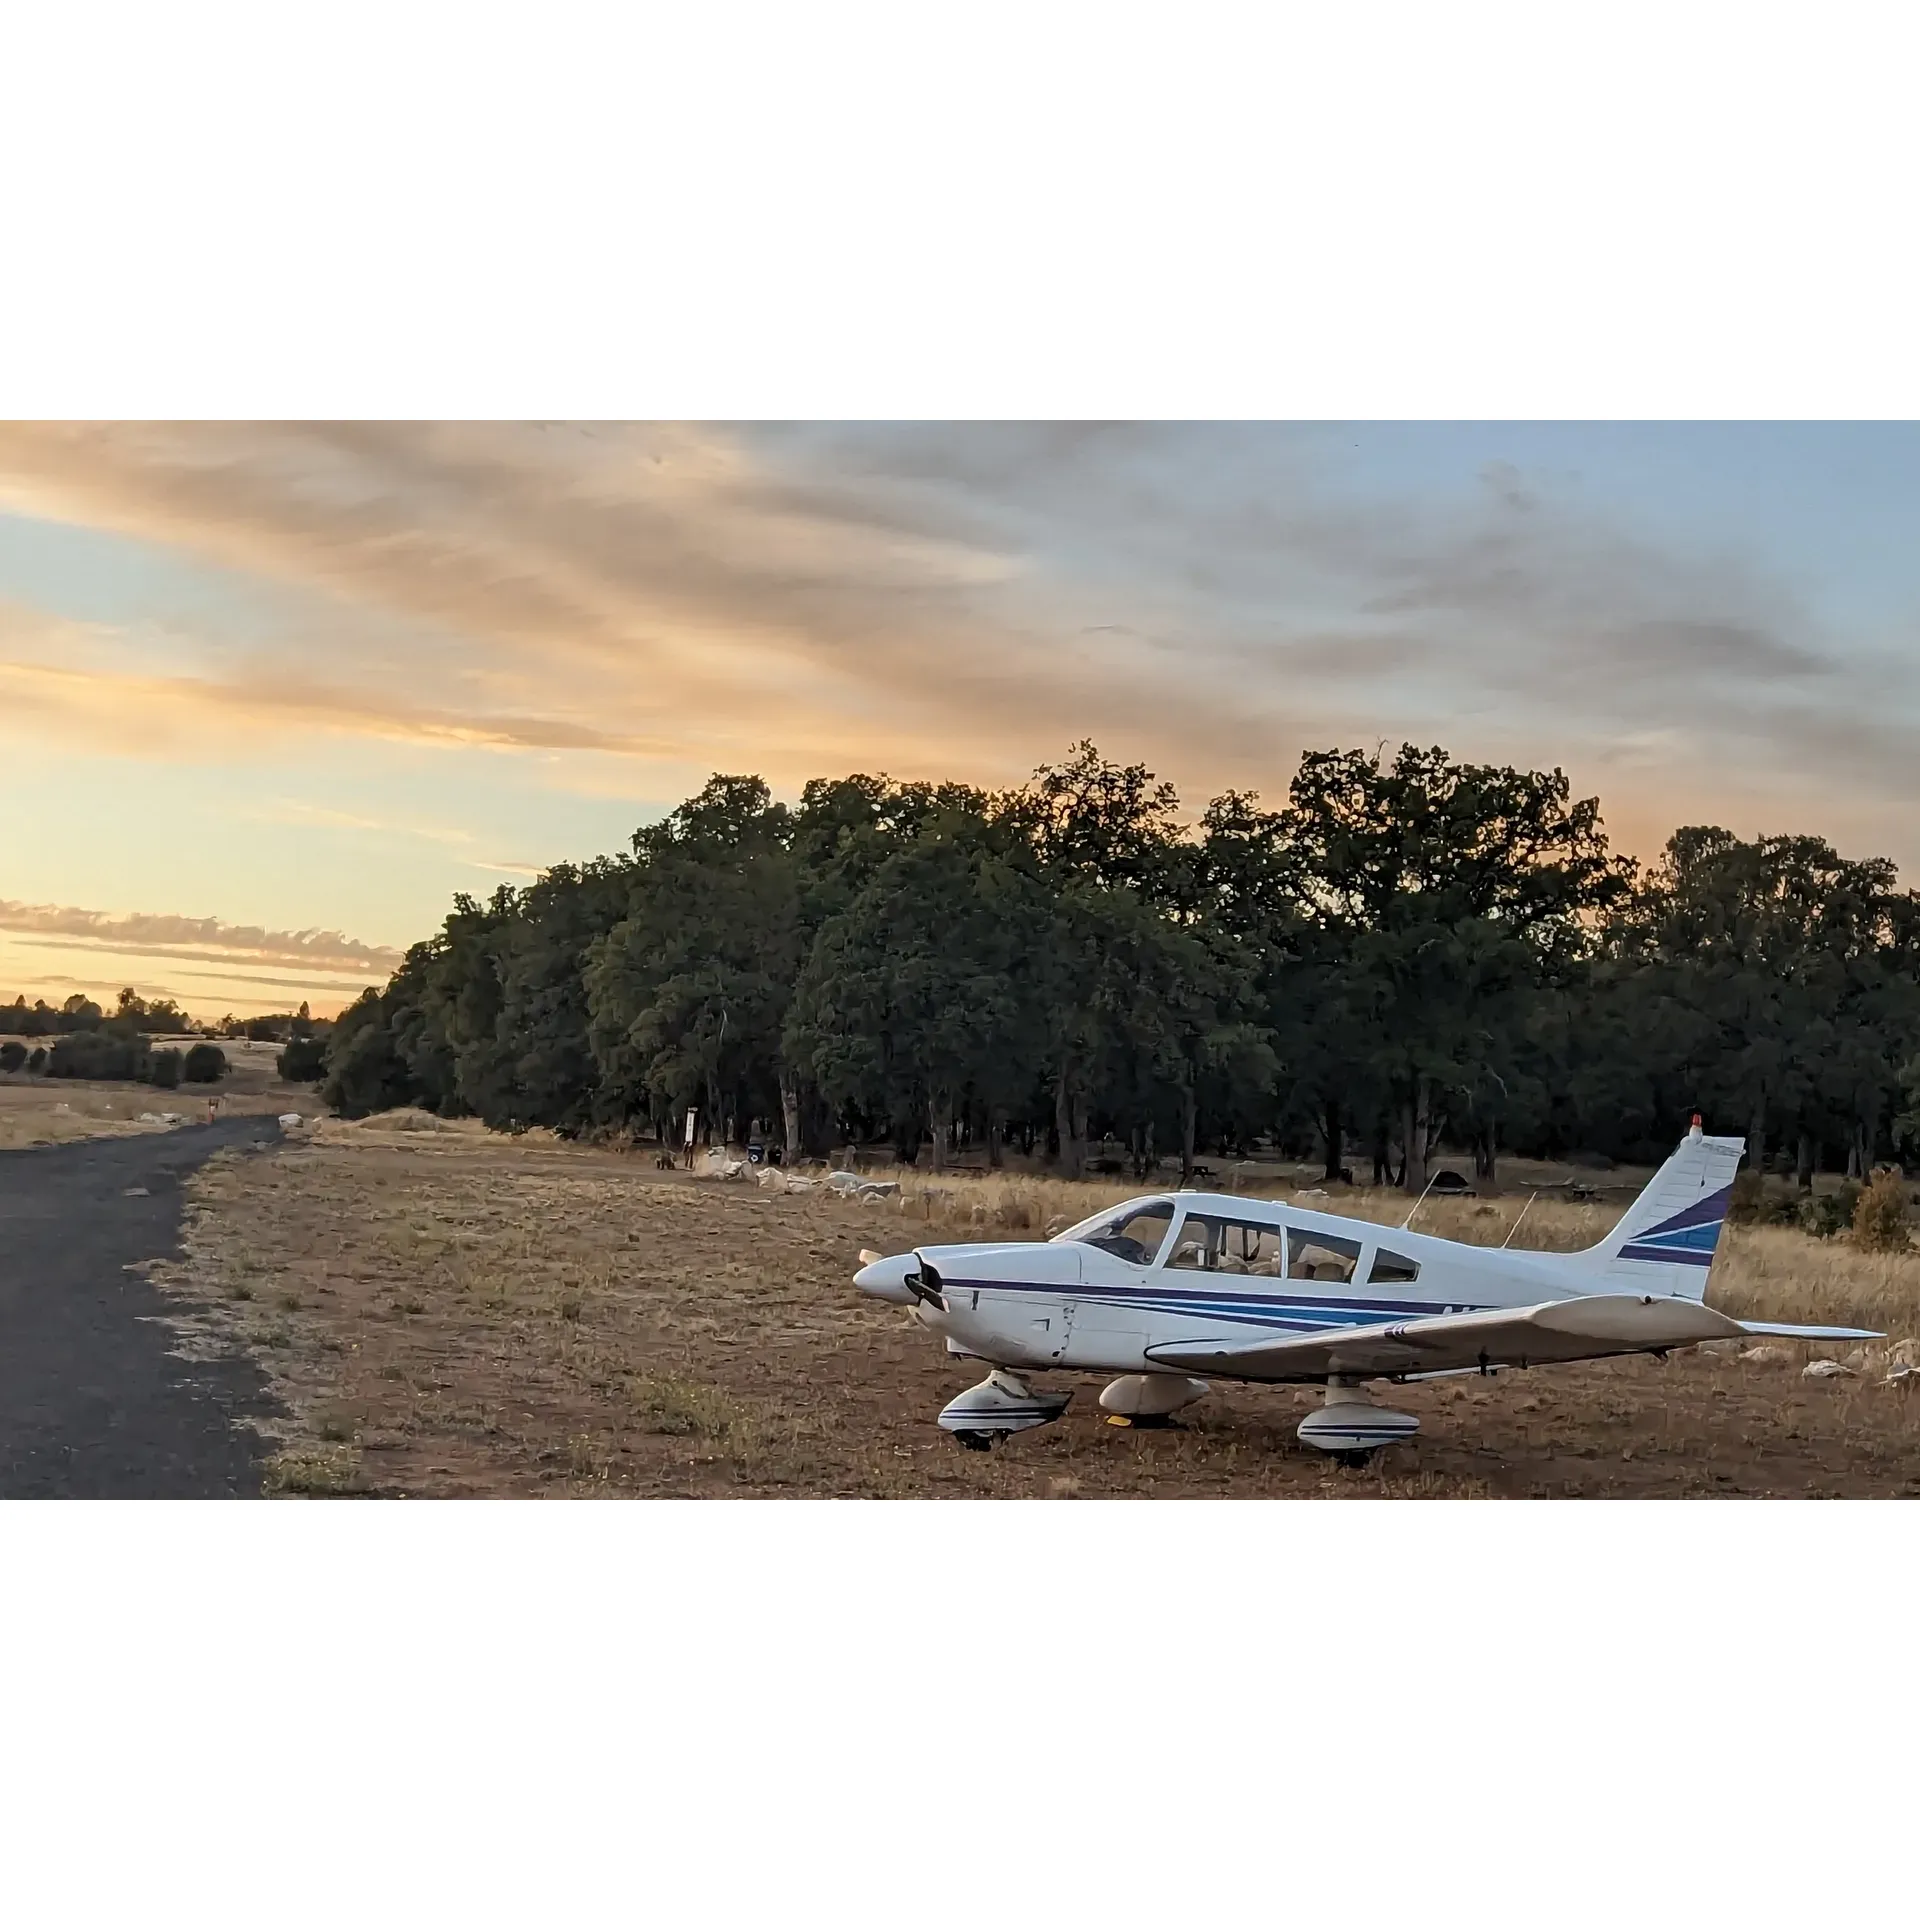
<point>1880,1219</point>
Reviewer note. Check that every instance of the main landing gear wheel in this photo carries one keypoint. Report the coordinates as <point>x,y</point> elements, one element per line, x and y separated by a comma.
<point>1351,1427</point>
<point>1148,1399</point>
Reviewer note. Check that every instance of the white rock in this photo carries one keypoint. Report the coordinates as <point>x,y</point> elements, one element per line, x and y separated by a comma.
<point>289,1122</point>
<point>1825,1370</point>
<point>1901,1376</point>
<point>1766,1356</point>
<point>853,1186</point>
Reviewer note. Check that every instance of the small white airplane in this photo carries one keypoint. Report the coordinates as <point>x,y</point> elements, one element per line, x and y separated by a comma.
<point>1168,1290</point>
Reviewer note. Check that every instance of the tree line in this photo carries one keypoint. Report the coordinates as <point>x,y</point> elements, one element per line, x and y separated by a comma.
<point>134,1014</point>
<point>1411,952</point>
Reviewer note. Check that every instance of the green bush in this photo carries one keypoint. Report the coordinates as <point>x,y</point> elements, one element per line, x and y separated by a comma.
<point>204,1063</point>
<point>1828,1214</point>
<point>1754,1205</point>
<point>99,1055</point>
<point>303,1060</point>
<point>37,1060</point>
<point>165,1067</point>
<point>13,1056</point>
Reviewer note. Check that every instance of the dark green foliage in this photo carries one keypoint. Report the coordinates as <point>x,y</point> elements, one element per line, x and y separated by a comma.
<point>1829,1214</point>
<point>365,1071</point>
<point>134,1015</point>
<point>13,1056</point>
<point>204,1064</point>
<point>37,1060</point>
<point>1410,950</point>
<point>302,1059</point>
<point>164,1067</point>
<point>99,1055</point>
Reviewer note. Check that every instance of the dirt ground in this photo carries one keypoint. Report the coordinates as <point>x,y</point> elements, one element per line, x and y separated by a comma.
<point>450,1313</point>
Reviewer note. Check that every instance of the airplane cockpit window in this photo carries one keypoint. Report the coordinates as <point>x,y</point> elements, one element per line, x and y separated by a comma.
<point>1226,1246</point>
<point>1134,1236</point>
<point>1391,1267</point>
<point>1321,1256</point>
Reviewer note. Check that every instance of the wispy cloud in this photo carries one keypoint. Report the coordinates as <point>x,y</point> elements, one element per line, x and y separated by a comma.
<point>176,936</point>
<point>625,603</point>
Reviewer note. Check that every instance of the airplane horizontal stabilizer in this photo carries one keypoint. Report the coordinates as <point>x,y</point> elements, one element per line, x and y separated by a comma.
<point>1590,1327</point>
<point>1786,1331</point>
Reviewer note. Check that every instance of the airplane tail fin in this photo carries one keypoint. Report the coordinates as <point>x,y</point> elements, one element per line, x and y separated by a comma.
<point>1665,1243</point>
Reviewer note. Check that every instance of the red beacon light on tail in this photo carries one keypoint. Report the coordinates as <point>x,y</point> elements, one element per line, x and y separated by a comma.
<point>1696,1130</point>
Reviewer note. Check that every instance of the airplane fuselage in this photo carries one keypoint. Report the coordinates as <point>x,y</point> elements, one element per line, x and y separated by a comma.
<point>1225,1268</point>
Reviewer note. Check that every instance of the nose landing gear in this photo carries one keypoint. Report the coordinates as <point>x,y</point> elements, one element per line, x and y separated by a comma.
<point>1002,1403</point>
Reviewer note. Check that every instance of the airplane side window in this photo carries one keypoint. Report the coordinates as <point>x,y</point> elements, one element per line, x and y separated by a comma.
<point>1135,1237</point>
<point>1392,1267</point>
<point>1215,1245</point>
<point>1321,1256</point>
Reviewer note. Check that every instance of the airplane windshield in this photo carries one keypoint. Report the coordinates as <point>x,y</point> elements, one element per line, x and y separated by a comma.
<point>1134,1235</point>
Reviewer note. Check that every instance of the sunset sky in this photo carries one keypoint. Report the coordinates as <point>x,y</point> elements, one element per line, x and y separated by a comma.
<point>269,695</point>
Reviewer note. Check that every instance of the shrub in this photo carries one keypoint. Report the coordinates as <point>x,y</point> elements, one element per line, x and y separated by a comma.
<point>303,1059</point>
<point>37,1060</point>
<point>165,1067</point>
<point>1755,1205</point>
<point>1880,1220</point>
<point>204,1062</point>
<point>99,1055</point>
<point>13,1056</point>
<point>1830,1213</point>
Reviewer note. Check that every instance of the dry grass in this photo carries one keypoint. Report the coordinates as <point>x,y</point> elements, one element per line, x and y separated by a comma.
<point>37,1112</point>
<point>445,1312</point>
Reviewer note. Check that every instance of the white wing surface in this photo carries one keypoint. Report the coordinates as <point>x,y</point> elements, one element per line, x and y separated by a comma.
<point>1588,1328</point>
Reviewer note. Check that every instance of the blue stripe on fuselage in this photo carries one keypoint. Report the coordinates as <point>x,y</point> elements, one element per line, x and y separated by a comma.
<point>1307,1315</point>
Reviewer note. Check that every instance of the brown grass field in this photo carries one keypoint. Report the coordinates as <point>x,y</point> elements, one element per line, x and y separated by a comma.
<point>447,1312</point>
<point>36,1112</point>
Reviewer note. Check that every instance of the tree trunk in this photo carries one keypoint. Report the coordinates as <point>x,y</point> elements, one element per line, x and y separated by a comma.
<point>1073,1145</point>
<point>1757,1137</point>
<point>1330,1132</point>
<point>1413,1166</point>
<point>939,1120</point>
<point>790,1115</point>
<point>1189,1125</point>
<point>1485,1151</point>
<point>1382,1157</point>
<point>993,1140</point>
<point>1803,1162</point>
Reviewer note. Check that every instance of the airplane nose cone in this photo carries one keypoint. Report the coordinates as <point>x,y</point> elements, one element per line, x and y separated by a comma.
<point>887,1279</point>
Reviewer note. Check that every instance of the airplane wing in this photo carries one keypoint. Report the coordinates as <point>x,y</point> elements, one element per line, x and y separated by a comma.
<point>1787,1330</point>
<point>1587,1328</point>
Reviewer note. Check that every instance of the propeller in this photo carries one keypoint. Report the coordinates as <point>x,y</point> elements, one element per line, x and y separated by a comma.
<point>925,1286</point>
